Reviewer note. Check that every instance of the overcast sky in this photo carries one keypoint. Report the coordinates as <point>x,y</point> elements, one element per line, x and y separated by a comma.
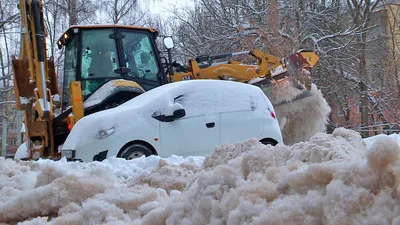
<point>162,5</point>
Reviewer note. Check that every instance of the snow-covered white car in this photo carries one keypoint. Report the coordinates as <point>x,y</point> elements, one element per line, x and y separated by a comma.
<point>187,118</point>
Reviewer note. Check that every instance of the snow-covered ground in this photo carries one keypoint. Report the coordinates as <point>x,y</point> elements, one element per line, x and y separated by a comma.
<point>332,179</point>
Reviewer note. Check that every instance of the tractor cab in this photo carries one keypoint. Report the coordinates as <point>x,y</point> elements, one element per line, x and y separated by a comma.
<point>96,54</point>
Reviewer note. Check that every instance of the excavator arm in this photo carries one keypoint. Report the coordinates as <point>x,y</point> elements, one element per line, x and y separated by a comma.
<point>35,83</point>
<point>268,68</point>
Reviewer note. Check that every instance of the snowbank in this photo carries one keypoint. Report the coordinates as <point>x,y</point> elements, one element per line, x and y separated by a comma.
<point>331,179</point>
<point>370,140</point>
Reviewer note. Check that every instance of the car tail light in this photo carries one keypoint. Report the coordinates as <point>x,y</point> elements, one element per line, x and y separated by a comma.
<point>273,115</point>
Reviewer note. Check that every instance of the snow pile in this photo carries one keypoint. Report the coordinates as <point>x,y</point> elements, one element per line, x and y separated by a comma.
<point>331,179</point>
<point>370,140</point>
<point>103,92</point>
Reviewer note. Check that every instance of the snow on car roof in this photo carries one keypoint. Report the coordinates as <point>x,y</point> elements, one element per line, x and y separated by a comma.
<point>206,85</point>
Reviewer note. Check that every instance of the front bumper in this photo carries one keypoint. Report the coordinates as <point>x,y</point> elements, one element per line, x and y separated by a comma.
<point>70,155</point>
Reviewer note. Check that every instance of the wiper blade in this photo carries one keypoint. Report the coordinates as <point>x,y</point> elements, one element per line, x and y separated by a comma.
<point>122,70</point>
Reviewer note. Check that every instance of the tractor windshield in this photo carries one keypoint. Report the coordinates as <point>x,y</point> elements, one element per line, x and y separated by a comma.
<point>100,55</point>
<point>104,58</point>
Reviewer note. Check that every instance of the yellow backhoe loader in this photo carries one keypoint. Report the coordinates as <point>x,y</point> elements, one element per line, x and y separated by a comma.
<point>107,65</point>
<point>104,66</point>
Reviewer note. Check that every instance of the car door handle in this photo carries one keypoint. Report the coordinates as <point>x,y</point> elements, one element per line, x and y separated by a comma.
<point>210,125</point>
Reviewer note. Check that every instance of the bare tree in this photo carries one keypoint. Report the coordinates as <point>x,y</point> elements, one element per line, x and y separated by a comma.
<point>117,10</point>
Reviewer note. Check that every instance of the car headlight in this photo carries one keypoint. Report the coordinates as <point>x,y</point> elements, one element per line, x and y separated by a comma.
<point>69,154</point>
<point>105,133</point>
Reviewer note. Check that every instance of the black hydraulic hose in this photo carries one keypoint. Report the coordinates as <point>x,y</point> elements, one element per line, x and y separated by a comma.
<point>38,30</point>
<point>170,71</point>
<point>220,56</point>
<point>203,58</point>
<point>40,56</point>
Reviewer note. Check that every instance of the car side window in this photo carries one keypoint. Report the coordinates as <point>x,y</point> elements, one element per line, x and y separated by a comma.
<point>191,102</point>
<point>209,101</point>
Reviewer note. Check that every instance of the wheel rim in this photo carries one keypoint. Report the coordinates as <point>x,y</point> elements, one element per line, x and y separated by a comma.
<point>135,154</point>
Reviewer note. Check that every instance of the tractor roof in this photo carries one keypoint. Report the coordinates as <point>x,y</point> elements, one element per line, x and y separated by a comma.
<point>91,26</point>
<point>62,40</point>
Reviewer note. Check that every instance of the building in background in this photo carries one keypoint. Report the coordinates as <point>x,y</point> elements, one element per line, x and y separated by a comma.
<point>11,121</point>
<point>383,65</point>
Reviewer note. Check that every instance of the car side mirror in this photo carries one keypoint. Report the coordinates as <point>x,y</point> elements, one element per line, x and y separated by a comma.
<point>177,113</point>
<point>168,42</point>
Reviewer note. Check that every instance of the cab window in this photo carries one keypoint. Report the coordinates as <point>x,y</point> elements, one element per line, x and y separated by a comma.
<point>140,56</point>
<point>99,59</point>
<point>70,64</point>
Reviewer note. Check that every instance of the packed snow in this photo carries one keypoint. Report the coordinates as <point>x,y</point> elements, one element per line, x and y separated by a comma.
<point>103,92</point>
<point>330,179</point>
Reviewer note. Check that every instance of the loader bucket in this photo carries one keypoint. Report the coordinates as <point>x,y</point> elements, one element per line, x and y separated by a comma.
<point>298,69</point>
<point>299,66</point>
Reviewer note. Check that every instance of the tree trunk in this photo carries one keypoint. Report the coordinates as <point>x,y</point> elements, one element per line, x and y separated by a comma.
<point>363,87</point>
<point>4,137</point>
<point>73,17</point>
<point>364,109</point>
<point>3,72</point>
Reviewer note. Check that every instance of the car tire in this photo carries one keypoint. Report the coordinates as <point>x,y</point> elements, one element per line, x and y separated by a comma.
<point>269,141</point>
<point>135,151</point>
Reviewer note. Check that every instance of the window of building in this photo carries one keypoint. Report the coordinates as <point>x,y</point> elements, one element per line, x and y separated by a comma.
<point>13,127</point>
<point>340,111</point>
<point>13,141</point>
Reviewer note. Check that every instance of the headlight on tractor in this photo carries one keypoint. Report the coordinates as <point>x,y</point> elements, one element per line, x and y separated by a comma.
<point>105,133</point>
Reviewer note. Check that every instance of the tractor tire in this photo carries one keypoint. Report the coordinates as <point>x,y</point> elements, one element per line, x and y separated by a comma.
<point>135,151</point>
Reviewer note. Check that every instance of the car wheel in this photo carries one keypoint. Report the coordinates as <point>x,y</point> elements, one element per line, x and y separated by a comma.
<point>269,141</point>
<point>135,151</point>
